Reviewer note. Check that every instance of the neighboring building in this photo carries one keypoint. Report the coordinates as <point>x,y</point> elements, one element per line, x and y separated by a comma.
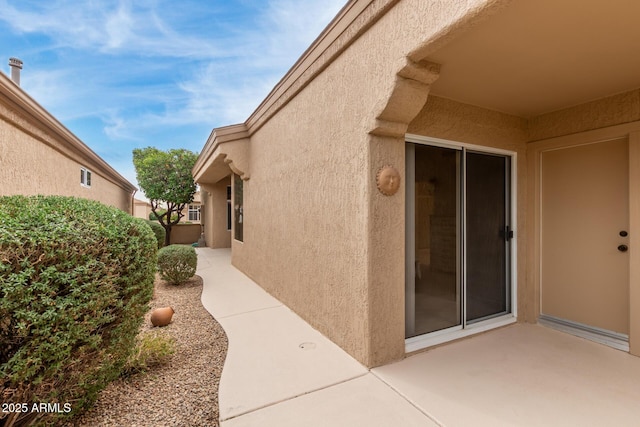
<point>189,229</point>
<point>193,211</point>
<point>429,170</point>
<point>38,155</point>
<point>141,208</point>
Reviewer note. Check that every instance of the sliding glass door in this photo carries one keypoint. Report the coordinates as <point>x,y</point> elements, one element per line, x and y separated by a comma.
<point>458,238</point>
<point>488,233</point>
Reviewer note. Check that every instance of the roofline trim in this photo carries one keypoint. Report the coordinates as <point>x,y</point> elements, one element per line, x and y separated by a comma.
<point>42,117</point>
<point>355,18</point>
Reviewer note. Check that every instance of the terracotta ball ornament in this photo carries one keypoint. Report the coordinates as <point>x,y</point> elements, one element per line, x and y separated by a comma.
<point>388,180</point>
<point>162,316</point>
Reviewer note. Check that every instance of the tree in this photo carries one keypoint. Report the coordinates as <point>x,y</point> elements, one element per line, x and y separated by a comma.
<point>166,179</point>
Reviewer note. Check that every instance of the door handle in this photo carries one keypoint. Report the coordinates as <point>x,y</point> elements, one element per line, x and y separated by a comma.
<point>506,233</point>
<point>623,248</point>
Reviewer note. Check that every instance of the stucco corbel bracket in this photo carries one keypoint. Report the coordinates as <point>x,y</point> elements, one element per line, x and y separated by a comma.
<point>408,96</point>
<point>422,71</point>
<point>388,128</point>
<point>244,175</point>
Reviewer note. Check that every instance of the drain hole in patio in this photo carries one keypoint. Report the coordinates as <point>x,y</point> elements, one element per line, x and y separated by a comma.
<point>307,346</point>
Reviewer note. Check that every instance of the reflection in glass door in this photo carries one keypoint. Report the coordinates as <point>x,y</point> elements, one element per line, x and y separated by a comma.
<point>488,234</point>
<point>435,293</point>
<point>458,238</point>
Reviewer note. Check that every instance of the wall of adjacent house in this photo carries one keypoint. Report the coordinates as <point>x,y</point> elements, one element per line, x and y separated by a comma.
<point>317,233</point>
<point>141,209</point>
<point>185,211</point>
<point>185,234</point>
<point>31,166</point>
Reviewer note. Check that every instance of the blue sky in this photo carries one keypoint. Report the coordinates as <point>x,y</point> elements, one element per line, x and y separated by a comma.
<point>123,74</point>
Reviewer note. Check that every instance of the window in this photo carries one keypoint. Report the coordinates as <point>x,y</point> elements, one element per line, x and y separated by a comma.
<point>238,208</point>
<point>229,216</point>
<point>85,177</point>
<point>194,213</point>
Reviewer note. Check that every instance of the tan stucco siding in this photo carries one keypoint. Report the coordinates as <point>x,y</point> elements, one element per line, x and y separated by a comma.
<point>317,234</point>
<point>214,214</point>
<point>30,166</point>
<point>447,119</point>
<point>304,213</point>
<point>610,111</point>
<point>141,209</point>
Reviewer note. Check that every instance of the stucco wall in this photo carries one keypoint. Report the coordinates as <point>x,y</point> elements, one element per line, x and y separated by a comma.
<point>318,234</point>
<point>613,110</point>
<point>215,214</point>
<point>141,209</point>
<point>185,234</point>
<point>31,166</point>
<point>304,213</point>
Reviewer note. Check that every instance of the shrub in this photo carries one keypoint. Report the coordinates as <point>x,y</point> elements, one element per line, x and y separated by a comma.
<point>177,263</point>
<point>75,280</point>
<point>158,231</point>
<point>154,348</point>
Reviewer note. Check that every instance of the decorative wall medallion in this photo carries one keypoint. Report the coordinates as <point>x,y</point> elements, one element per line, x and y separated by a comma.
<point>388,180</point>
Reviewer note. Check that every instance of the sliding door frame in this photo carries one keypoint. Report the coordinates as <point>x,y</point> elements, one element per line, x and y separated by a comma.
<point>465,329</point>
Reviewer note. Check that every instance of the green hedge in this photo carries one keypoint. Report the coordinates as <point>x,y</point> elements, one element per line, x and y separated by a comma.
<point>177,263</point>
<point>75,280</point>
<point>158,231</point>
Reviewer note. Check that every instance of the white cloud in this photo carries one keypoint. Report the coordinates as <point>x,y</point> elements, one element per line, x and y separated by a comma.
<point>226,91</point>
<point>110,26</point>
<point>119,27</point>
<point>231,90</point>
<point>116,127</point>
<point>50,86</point>
<point>292,25</point>
<point>156,72</point>
<point>139,66</point>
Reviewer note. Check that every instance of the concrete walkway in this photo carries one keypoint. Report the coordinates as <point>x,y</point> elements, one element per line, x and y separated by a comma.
<point>281,372</point>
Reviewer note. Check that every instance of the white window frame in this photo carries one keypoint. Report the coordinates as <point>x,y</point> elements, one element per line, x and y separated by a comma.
<point>85,177</point>
<point>439,337</point>
<point>194,209</point>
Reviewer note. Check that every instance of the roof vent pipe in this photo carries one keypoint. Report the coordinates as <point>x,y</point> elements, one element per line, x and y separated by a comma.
<point>16,66</point>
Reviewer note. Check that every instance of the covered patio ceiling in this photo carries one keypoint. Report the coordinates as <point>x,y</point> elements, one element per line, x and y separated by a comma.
<point>538,56</point>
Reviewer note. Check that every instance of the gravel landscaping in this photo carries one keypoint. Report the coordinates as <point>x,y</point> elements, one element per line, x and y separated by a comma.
<point>184,392</point>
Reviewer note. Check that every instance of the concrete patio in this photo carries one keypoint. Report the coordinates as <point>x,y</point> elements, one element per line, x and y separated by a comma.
<point>281,372</point>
